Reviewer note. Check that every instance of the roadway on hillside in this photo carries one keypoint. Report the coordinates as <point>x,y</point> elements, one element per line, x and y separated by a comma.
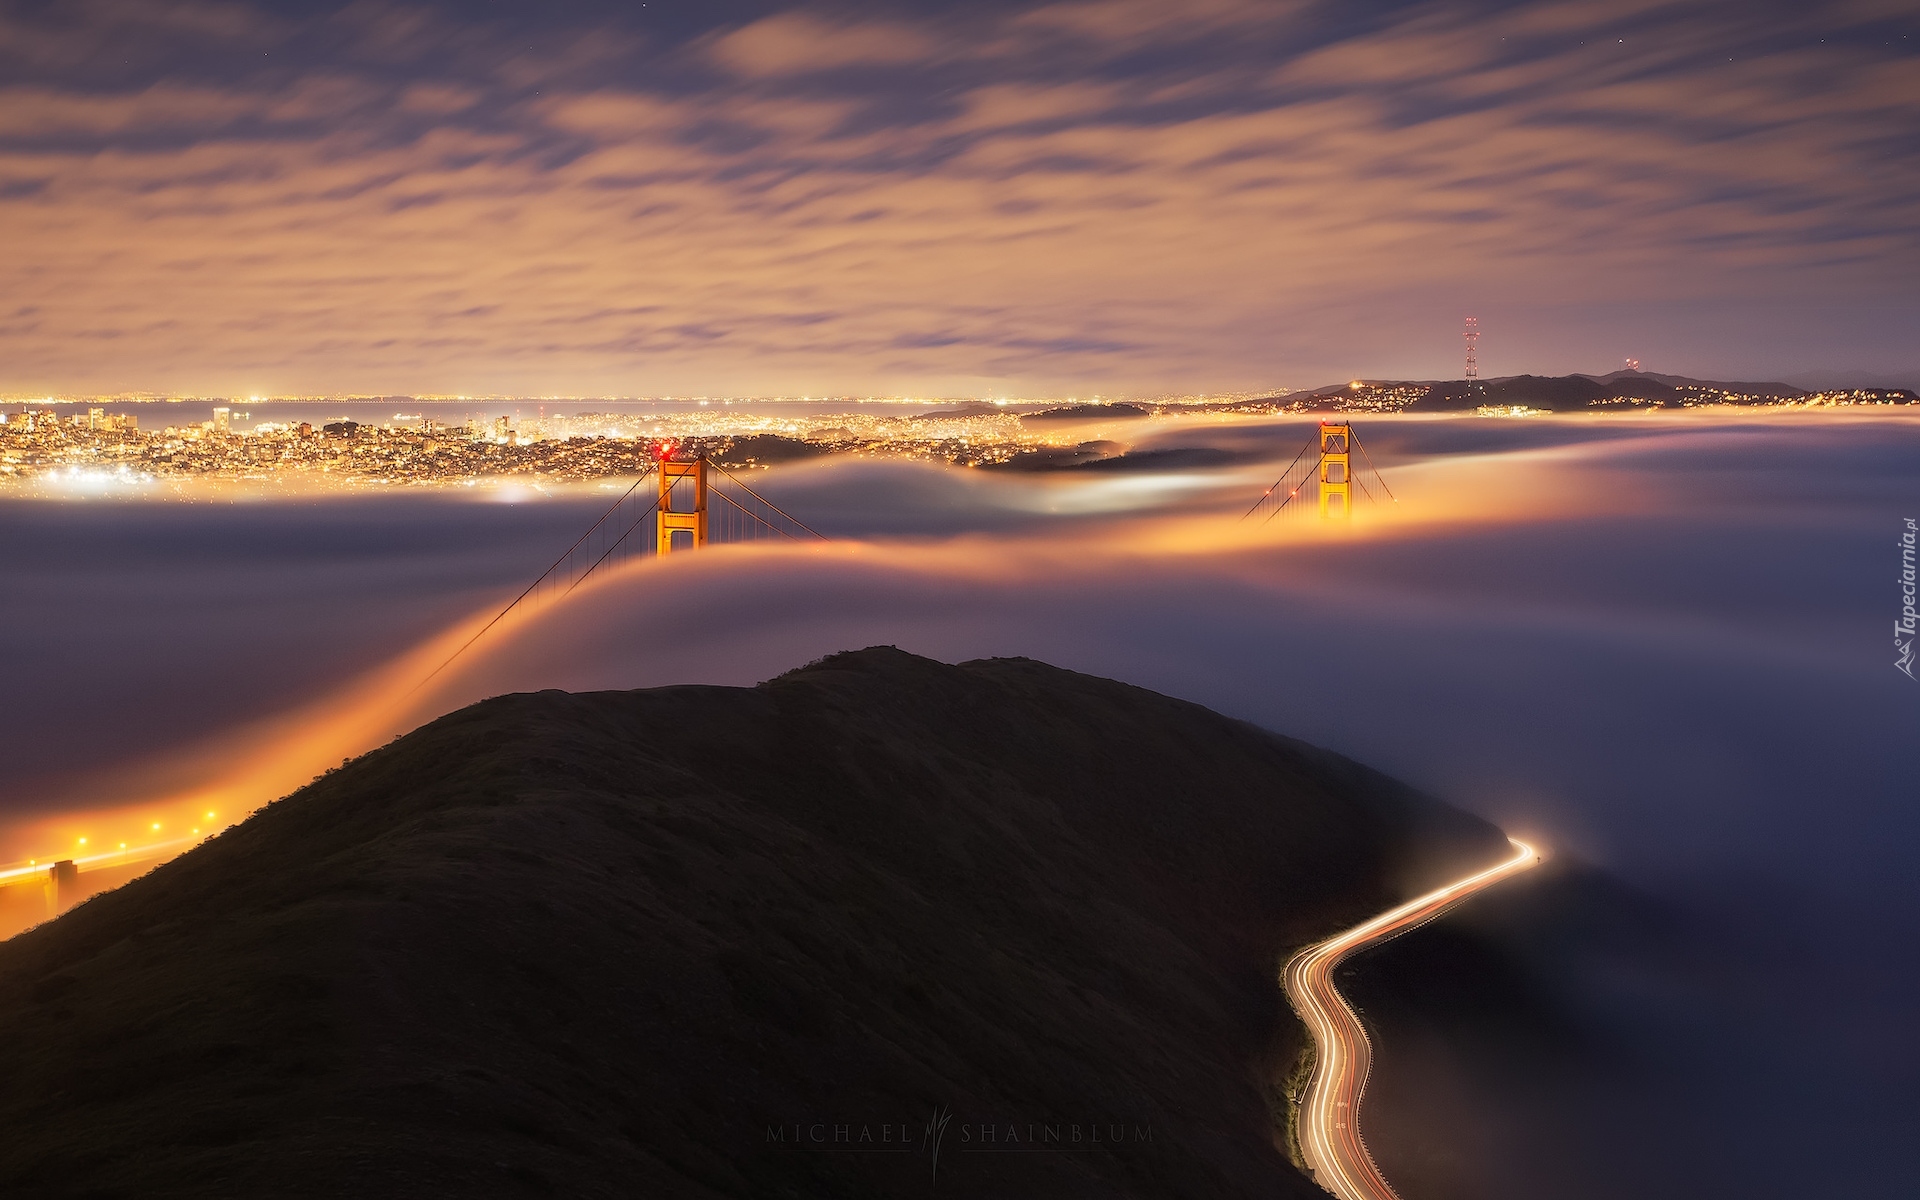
<point>1329,1122</point>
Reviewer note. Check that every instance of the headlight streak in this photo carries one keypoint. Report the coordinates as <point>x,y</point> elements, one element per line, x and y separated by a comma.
<point>1329,1123</point>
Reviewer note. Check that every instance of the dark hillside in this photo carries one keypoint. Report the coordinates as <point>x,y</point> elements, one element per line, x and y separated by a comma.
<point>1089,412</point>
<point>603,944</point>
<point>1777,391</point>
<point>1559,393</point>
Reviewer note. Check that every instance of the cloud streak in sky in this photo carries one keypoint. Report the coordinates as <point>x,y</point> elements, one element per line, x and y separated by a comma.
<point>1101,195</point>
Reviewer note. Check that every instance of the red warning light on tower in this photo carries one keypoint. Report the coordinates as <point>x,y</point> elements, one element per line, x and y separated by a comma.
<point>1633,364</point>
<point>1473,341</point>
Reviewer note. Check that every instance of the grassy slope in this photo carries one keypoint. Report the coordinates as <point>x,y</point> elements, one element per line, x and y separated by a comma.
<point>596,944</point>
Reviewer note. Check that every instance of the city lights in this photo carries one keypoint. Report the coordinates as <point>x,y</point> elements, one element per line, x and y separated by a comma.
<point>95,451</point>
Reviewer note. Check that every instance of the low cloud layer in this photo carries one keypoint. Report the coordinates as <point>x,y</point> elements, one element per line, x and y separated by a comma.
<point>1545,593</point>
<point>1659,642</point>
<point>920,198</point>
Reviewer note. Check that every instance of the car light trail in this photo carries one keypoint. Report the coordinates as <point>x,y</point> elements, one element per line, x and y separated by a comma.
<point>1329,1123</point>
<point>38,870</point>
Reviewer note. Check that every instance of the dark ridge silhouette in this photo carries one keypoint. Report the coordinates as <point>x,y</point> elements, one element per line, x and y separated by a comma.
<point>1100,457</point>
<point>765,449</point>
<point>976,409</point>
<point>1778,391</point>
<point>608,944</point>
<point>1089,412</point>
<point>1056,458</point>
<point>1173,458</point>
<point>1560,393</point>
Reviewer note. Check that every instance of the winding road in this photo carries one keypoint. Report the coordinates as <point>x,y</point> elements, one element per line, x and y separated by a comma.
<point>1329,1123</point>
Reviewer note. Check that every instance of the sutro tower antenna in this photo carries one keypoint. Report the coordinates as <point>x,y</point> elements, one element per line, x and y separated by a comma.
<point>1473,337</point>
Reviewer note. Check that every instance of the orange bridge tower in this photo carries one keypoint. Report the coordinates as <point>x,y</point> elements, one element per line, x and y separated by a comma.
<point>1336,470</point>
<point>673,520</point>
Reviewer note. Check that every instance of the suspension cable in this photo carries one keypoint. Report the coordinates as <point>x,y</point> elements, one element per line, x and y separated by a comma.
<point>644,514</point>
<point>754,516</point>
<point>1376,470</point>
<point>1290,495</point>
<point>514,603</point>
<point>770,504</point>
<point>1278,482</point>
<point>530,588</point>
<point>616,544</point>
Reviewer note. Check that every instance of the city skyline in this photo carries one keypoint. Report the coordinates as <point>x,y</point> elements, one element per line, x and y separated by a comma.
<point>46,449</point>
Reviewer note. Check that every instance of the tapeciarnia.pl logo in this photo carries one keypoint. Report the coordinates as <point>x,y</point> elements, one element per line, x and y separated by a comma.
<point>1903,627</point>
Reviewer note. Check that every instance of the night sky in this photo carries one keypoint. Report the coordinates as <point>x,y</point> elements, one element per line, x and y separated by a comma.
<point>1113,196</point>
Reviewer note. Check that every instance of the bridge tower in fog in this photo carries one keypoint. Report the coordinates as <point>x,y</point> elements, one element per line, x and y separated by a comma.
<point>1473,349</point>
<point>692,478</point>
<point>676,504</point>
<point>1336,469</point>
<point>63,887</point>
<point>1328,473</point>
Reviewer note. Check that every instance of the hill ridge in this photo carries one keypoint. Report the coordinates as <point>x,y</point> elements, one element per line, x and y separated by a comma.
<point>601,943</point>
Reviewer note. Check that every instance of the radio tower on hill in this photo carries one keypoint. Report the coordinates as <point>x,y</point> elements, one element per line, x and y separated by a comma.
<point>1473,338</point>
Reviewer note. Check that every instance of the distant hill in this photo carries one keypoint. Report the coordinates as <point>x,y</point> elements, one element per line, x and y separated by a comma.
<point>1587,391</point>
<point>1542,391</point>
<point>1779,391</point>
<point>1058,458</point>
<point>764,449</point>
<point>608,944</point>
<point>1109,457</point>
<point>1090,412</point>
<point>1561,393</point>
<point>975,409</point>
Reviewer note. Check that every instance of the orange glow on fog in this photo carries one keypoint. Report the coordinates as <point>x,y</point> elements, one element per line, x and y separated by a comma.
<point>239,771</point>
<point>175,802</point>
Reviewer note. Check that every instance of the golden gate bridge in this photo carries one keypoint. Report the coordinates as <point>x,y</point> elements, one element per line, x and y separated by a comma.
<point>1330,476</point>
<point>695,502</point>
<point>683,517</point>
<point>692,503</point>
